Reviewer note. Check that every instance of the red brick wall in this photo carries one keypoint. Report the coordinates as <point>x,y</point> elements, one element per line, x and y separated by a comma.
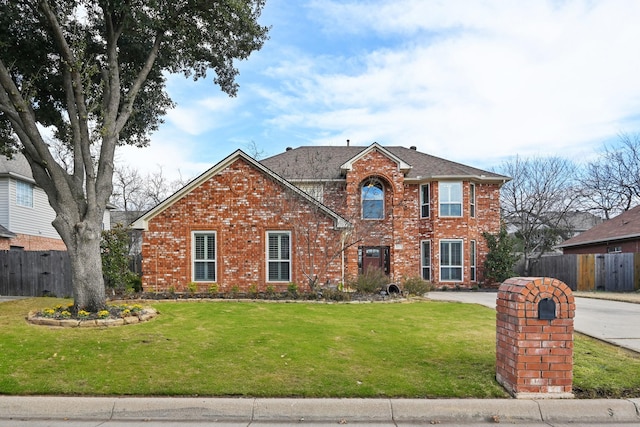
<point>403,229</point>
<point>33,243</point>
<point>240,204</point>
<point>534,355</point>
<point>627,246</point>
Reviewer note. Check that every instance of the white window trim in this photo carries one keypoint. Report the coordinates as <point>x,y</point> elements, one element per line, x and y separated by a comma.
<point>473,259</point>
<point>193,255</point>
<point>472,200</point>
<point>19,199</point>
<point>422,266</point>
<point>267,260</point>
<point>461,266</point>
<point>422,201</point>
<point>440,203</point>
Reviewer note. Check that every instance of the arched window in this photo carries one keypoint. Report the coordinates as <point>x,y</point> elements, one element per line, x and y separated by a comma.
<point>372,200</point>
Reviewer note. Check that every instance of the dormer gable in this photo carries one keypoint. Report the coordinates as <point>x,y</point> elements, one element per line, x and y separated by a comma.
<point>403,166</point>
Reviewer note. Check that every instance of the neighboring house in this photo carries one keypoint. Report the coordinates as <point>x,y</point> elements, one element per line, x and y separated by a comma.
<point>571,224</point>
<point>24,209</point>
<point>619,234</point>
<point>25,213</point>
<point>322,215</point>
<point>124,219</point>
<point>318,215</point>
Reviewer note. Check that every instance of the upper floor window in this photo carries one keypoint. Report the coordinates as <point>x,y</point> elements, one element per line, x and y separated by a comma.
<point>372,200</point>
<point>450,196</point>
<point>24,194</point>
<point>472,200</point>
<point>278,256</point>
<point>425,198</point>
<point>204,256</point>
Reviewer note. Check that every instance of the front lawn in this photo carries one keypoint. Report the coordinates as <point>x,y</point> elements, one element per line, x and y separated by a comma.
<point>261,349</point>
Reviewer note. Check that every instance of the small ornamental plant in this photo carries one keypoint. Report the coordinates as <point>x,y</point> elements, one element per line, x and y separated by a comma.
<point>111,311</point>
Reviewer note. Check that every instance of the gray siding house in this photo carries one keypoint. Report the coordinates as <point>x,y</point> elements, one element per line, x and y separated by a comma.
<point>25,213</point>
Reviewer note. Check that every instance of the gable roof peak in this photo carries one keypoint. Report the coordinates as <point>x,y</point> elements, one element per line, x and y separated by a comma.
<point>403,166</point>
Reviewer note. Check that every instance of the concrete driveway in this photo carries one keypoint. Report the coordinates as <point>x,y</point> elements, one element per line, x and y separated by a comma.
<point>611,321</point>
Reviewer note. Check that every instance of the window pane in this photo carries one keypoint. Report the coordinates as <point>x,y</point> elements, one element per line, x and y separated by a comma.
<point>450,198</point>
<point>372,201</point>
<point>279,256</point>
<point>273,246</point>
<point>424,199</point>
<point>24,194</point>
<point>426,260</point>
<point>451,261</point>
<point>204,256</point>
<point>284,246</point>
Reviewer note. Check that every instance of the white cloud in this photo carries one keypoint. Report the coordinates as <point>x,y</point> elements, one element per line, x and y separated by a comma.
<point>491,78</point>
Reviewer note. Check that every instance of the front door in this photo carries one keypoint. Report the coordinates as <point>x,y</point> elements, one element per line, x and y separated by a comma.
<point>374,257</point>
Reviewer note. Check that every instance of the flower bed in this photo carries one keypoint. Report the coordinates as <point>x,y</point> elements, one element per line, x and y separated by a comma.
<point>113,315</point>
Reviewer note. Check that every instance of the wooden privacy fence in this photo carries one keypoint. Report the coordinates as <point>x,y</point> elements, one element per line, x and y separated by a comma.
<point>35,273</point>
<point>592,272</point>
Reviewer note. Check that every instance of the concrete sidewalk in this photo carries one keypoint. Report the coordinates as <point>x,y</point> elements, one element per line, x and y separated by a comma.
<point>611,321</point>
<point>129,411</point>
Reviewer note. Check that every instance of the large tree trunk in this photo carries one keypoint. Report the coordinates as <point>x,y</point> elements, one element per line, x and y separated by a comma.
<point>83,247</point>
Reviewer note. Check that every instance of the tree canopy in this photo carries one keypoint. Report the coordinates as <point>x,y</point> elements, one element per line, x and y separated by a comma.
<point>89,75</point>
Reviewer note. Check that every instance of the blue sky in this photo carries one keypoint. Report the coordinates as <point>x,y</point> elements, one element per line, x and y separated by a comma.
<point>472,81</point>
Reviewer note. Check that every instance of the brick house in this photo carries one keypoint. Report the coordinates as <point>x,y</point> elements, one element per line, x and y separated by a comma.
<point>616,235</point>
<point>322,215</point>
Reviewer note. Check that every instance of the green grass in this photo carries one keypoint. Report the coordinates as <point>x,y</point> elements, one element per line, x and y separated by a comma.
<point>421,349</point>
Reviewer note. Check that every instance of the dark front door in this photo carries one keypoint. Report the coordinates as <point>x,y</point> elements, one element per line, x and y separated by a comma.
<point>374,257</point>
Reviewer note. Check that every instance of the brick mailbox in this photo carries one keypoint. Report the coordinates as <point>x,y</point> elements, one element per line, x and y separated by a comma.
<point>534,337</point>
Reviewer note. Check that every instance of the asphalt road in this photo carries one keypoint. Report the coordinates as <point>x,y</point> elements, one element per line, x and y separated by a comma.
<point>611,321</point>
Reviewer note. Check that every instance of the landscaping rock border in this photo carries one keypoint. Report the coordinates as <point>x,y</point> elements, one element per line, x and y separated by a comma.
<point>145,315</point>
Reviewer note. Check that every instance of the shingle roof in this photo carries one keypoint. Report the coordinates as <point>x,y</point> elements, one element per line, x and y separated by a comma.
<point>17,166</point>
<point>324,162</point>
<point>624,226</point>
<point>6,233</point>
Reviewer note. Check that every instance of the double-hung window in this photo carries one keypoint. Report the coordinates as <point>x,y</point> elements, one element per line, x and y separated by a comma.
<point>426,260</point>
<point>24,194</point>
<point>451,260</point>
<point>278,256</point>
<point>372,200</point>
<point>204,256</point>
<point>450,196</point>
<point>425,205</point>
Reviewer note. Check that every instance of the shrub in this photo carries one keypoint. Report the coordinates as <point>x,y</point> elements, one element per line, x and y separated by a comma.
<point>192,287</point>
<point>416,285</point>
<point>335,295</point>
<point>253,290</point>
<point>213,288</point>
<point>292,290</point>
<point>371,282</point>
<point>498,266</point>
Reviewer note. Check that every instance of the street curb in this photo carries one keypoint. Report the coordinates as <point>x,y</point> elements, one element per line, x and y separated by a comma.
<point>427,411</point>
